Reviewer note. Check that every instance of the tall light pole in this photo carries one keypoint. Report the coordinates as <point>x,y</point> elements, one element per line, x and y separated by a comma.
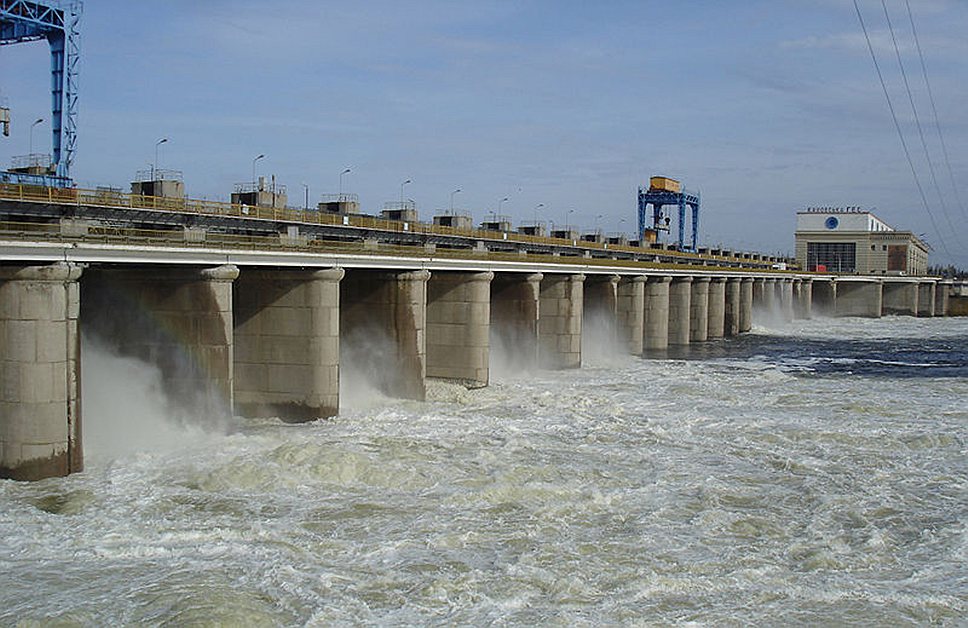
<point>253,166</point>
<point>536,208</point>
<point>306,185</point>
<point>401,191</point>
<point>154,166</point>
<point>452,200</point>
<point>339,198</point>
<point>500,204</point>
<point>30,150</point>
<point>568,219</point>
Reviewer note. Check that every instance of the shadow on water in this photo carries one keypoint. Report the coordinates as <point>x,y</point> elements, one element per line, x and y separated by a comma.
<point>872,357</point>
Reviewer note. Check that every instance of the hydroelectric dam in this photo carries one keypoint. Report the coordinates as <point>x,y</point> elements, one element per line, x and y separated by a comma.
<point>250,310</point>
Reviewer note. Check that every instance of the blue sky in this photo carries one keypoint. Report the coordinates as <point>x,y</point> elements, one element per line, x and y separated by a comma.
<point>765,106</point>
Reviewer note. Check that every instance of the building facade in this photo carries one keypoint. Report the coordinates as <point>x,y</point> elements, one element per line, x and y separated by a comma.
<point>853,241</point>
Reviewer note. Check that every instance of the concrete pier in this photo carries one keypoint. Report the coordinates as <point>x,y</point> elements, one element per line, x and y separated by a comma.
<point>858,297</point>
<point>746,304</point>
<point>514,318</point>
<point>899,297</point>
<point>459,327</point>
<point>942,294</point>
<point>180,321</point>
<point>824,296</point>
<point>287,344</point>
<point>630,313</point>
<point>656,320</point>
<point>715,327</point>
<point>699,310</point>
<point>731,306</point>
<point>40,420</point>
<point>560,321</point>
<point>383,329</point>
<point>926,298</point>
<point>680,300</point>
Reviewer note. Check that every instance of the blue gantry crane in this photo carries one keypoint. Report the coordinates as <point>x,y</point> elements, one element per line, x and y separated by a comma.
<point>664,191</point>
<point>57,22</point>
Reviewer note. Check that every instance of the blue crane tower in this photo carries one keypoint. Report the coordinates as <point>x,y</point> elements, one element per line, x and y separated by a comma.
<point>23,21</point>
<point>664,191</point>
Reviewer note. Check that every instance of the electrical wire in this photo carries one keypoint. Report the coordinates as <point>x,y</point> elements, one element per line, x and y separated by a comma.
<point>897,125</point>
<point>934,109</point>
<point>917,122</point>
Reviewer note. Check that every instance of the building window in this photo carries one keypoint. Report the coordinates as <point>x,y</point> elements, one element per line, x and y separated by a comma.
<point>838,257</point>
<point>873,247</point>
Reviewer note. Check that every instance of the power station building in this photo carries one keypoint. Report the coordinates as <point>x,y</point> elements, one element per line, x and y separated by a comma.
<point>851,240</point>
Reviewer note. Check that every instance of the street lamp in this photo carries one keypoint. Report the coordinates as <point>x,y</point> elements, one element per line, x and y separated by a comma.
<point>253,167</point>
<point>568,219</point>
<point>500,204</point>
<point>30,151</point>
<point>401,191</point>
<point>536,208</point>
<point>452,200</point>
<point>154,166</point>
<point>339,198</point>
<point>306,185</point>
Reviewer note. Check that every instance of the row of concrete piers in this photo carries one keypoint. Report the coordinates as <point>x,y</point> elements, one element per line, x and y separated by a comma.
<point>270,342</point>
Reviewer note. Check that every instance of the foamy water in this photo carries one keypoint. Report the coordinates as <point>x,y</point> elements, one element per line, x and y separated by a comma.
<point>814,474</point>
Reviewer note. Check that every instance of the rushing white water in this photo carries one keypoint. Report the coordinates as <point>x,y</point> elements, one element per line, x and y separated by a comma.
<point>815,474</point>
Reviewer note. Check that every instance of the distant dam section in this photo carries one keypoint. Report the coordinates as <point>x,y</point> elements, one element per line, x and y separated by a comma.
<point>264,333</point>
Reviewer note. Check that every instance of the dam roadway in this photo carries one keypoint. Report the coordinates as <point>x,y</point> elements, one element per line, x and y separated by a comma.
<point>255,319</point>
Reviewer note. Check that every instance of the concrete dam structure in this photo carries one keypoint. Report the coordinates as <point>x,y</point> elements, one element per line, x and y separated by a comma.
<point>264,334</point>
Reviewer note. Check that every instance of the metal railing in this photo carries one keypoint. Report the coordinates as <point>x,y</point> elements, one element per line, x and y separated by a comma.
<point>80,197</point>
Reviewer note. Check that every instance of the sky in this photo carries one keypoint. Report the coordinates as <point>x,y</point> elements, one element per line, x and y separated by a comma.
<point>766,107</point>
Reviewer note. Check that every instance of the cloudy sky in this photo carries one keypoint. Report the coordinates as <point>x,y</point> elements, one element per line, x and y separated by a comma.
<point>765,106</point>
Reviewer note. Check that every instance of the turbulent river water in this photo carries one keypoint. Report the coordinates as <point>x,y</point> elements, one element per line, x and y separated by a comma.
<point>810,473</point>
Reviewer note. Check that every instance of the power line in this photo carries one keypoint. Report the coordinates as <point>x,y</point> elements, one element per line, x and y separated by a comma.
<point>917,121</point>
<point>897,126</point>
<point>934,109</point>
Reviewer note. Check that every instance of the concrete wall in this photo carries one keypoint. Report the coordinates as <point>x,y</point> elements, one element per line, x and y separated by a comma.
<point>383,330</point>
<point>803,298</point>
<point>824,296</point>
<point>40,420</point>
<point>459,327</point>
<point>514,318</point>
<point>926,298</point>
<point>287,343</point>
<point>899,297</point>
<point>785,290</point>
<point>942,296</point>
<point>680,292</point>
<point>656,320</point>
<point>858,298</point>
<point>179,320</point>
<point>630,312</point>
<point>560,321</point>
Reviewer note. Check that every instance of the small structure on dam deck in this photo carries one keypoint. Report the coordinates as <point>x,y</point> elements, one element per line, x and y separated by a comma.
<point>402,211</point>
<point>159,183</point>
<point>855,241</point>
<point>454,220</point>
<point>342,204</point>
<point>260,194</point>
<point>497,223</point>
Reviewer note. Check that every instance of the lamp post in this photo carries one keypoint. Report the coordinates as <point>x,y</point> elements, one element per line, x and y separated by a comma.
<point>339,197</point>
<point>253,167</point>
<point>154,165</point>
<point>500,205</point>
<point>536,208</point>
<point>401,191</point>
<point>306,185</point>
<point>452,200</point>
<point>568,219</point>
<point>30,150</point>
